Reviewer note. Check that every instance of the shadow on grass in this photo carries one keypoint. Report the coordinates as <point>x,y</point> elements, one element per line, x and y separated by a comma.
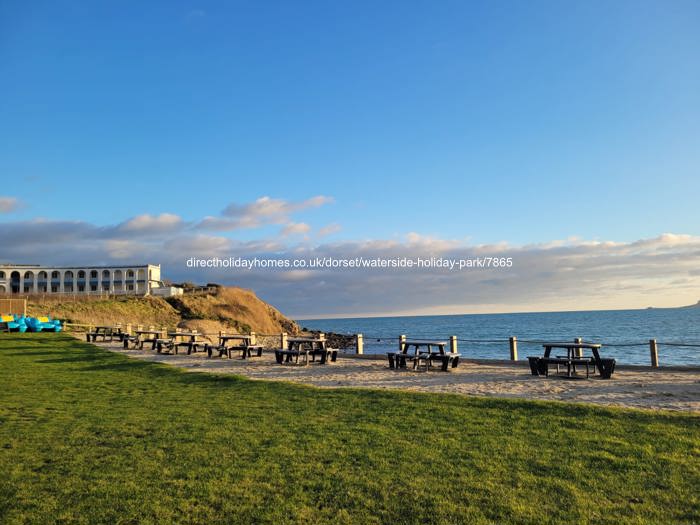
<point>85,357</point>
<point>76,359</point>
<point>30,352</point>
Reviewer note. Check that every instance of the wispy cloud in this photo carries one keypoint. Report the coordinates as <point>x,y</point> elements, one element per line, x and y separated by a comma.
<point>329,229</point>
<point>560,274</point>
<point>261,212</point>
<point>195,14</point>
<point>296,228</point>
<point>164,222</point>
<point>9,204</point>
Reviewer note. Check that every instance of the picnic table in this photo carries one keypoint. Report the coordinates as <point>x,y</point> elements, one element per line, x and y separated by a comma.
<point>143,336</point>
<point>245,346</point>
<point>105,331</point>
<point>304,347</point>
<point>574,357</point>
<point>425,352</point>
<point>189,340</point>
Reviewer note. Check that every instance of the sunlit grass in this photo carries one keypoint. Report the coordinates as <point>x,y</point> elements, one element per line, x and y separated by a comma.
<point>91,436</point>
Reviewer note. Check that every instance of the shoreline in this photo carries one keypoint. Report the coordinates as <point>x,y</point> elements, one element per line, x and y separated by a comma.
<point>630,387</point>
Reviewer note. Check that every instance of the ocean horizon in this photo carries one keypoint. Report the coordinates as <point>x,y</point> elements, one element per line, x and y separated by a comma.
<point>624,334</point>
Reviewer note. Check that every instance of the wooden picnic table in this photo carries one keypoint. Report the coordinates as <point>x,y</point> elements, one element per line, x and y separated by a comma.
<point>148,332</point>
<point>398,359</point>
<point>105,331</point>
<point>246,347</point>
<point>573,357</point>
<point>245,338</point>
<point>305,347</point>
<point>154,339</point>
<point>192,335</point>
<point>191,344</point>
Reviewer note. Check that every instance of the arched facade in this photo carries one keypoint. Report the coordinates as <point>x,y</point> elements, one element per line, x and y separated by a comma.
<point>26,279</point>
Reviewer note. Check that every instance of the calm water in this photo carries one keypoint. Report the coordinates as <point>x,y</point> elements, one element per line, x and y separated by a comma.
<point>606,327</point>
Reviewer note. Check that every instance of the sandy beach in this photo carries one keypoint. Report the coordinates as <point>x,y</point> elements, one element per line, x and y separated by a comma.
<point>632,387</point>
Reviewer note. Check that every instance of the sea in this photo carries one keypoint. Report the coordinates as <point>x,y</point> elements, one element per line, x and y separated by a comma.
<point>624,334</point>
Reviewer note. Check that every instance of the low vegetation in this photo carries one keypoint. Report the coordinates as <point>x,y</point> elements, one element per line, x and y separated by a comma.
<point>224,309</point>
<point>89,436</point>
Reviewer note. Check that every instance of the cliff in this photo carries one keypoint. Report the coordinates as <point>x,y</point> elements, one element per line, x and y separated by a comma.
<point>230,309</point>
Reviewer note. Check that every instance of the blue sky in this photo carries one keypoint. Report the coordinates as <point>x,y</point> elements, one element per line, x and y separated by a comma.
<point>484,122</point>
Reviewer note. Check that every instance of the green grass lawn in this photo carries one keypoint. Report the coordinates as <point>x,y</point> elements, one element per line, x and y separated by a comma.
<point>88,436</point>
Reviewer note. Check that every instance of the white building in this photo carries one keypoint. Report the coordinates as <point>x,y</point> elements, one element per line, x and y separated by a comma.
<point>35,279</point>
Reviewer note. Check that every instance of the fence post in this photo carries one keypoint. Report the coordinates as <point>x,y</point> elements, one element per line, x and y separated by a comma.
<point>513,348</point>
<point>283,340</point>
<point>579,351</point>
<point>654,353</point>
<point>402,339</point>
<point>453,344</point>
<point>359,344</point>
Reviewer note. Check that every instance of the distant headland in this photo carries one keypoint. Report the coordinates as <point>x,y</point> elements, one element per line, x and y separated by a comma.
<point>696,305</point>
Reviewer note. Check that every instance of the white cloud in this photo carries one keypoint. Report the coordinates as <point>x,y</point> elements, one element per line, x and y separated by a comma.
<point>152,223</point>
<point>9,204</point>
<point>569,274</point>
<point>261,212</point>
<point>330,229</point>
<point>296,228</point>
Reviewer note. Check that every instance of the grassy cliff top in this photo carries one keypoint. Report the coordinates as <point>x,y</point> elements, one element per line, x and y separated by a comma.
<point>227,309</point>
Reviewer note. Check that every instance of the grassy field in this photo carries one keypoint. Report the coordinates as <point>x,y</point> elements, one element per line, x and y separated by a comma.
<point>88,436</point>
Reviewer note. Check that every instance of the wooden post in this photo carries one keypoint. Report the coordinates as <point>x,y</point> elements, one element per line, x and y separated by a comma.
<point>513,348</point>
<point>402,339</point>
<point>654,353</point>
<point>579,351</point>
<point>359,344</point>
<point>453,344</point>
<point>283,340</point>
